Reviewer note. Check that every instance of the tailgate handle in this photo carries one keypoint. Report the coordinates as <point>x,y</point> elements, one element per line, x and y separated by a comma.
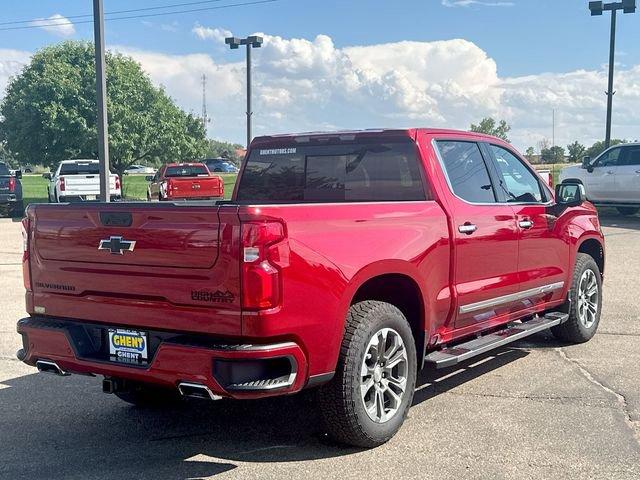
<point>116,219</point>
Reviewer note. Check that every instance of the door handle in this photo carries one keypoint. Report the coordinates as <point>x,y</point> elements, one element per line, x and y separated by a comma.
<point>637,171</point>
<point>526,224</point>
<point>467,228</point>
<point>610,172</point>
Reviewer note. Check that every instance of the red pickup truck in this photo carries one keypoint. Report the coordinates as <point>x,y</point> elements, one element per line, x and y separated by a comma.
<point>184,181</point>
<point>345,261</point>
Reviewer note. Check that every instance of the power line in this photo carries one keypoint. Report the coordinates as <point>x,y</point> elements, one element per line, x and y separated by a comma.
<point>130,17</point>
<point>117,12</point>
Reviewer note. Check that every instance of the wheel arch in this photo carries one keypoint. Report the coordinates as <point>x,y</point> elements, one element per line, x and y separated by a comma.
<point>595,249</point>
<point>398,287</point>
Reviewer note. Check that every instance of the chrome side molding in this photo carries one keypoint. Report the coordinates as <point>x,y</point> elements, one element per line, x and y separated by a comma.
<point>512,297</point>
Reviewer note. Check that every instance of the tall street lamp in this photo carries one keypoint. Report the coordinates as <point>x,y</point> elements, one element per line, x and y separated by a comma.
<point>101,100</point>
<point>627,6</point>
<point>251,42</point>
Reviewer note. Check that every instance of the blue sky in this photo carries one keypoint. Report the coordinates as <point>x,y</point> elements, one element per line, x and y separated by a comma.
<point>526,38</point>
<point>523,57</point>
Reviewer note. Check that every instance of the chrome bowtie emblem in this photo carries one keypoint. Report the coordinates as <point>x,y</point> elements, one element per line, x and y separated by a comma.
<point>117,245</point>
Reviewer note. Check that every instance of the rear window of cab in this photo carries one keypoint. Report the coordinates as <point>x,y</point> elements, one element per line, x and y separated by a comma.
<point>363,172</point>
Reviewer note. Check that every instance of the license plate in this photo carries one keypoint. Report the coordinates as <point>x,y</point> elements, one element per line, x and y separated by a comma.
<point>90,197</point>
<point>128,346</point>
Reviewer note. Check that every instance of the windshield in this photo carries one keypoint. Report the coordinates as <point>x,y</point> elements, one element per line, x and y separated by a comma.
<point>85,168</point>
<point>187,171</point>
<point>4,171</point>
<point>333,173</point>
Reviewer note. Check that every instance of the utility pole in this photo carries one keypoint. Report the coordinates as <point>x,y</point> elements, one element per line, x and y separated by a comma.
<point>597,8</point>
<point>553,128</point>
<point>205,118</point>
<point>251,42</point>
<point>101,97</point>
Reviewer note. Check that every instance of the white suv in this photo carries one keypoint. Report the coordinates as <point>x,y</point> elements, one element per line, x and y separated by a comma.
<point>612,179</point>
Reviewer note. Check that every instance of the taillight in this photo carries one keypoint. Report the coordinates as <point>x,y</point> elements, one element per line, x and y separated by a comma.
<point>262,258</point>
<point>61,185</point>
<point>117,182</point>
<point>26,274</point>
<point>551,180</point>
<point>12,184</point>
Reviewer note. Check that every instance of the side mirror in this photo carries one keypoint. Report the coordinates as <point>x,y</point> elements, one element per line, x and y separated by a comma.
<point>18,173</point>
<point>586,164</point>
<point>149,178</point>
<point>570,194</point>
<point>47,175</point>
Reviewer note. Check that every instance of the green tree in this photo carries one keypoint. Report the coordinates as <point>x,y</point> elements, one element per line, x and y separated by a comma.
<point>530,154</point>
<point>598,147</point>
<point>219,149</point>
<point>552,155</point>
<point>49,112</point>
<point>489,126</point>
<point>576,151</point>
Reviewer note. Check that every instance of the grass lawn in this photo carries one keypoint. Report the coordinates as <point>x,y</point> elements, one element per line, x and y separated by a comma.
<point>135,187</point>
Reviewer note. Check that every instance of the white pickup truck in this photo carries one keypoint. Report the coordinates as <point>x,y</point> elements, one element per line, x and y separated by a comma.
<point>612,179</point>
<point>79,181</point>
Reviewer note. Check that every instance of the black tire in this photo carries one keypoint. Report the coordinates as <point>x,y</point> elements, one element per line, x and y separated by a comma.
<point>574,330</point>
<point>627,211</point>
<point>341,405</point>
<point>145,395</point>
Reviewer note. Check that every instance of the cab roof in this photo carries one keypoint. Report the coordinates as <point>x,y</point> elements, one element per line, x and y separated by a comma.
<point>346,135</point>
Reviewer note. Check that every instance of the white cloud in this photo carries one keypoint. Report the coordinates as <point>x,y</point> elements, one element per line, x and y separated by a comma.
<point>468,3</point>
<point>216,34</point>
<point>11,63</point>
<point>56,24</point>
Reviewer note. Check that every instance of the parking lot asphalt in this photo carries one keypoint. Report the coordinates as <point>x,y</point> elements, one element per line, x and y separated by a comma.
<point>538,409</point>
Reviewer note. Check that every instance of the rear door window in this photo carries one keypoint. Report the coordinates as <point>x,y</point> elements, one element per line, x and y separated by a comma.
<point>333,173</point>
<point>467,171</point>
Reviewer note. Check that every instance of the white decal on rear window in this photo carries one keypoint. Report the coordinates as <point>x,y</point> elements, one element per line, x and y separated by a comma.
<point>278,151</point>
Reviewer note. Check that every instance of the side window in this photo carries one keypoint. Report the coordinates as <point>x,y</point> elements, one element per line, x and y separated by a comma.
<point>632,156</point>
<point>467,172</point>
<point>518,182</point>
<point>610,158</point>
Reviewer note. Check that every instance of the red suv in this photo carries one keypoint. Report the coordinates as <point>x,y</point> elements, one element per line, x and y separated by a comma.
<point>345,261</point>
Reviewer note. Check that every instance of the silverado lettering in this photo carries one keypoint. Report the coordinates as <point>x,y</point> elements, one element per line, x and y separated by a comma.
<point>344,261</point>
<point>214,297</point>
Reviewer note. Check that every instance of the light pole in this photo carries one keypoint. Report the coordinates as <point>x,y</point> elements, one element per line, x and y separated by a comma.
<point>251,42</point>
<point>101,97</point>
<point>627,6</point>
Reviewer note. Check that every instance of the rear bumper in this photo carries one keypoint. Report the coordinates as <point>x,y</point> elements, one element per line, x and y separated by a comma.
<point>9,198</point>
<point>83,198</point>
<point>227,369</point>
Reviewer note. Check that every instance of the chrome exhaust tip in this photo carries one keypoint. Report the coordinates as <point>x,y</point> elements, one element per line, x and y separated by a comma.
<point>197,390</point>
<point>47,366</point>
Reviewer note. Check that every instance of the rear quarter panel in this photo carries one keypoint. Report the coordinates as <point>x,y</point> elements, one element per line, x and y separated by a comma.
<point>334,249</point>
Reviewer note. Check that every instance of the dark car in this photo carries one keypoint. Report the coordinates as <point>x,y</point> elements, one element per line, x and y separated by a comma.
<point>10,191</point>
<point>220,165</point>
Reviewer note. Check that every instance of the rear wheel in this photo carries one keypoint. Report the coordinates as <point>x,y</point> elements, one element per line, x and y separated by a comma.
<point>367,401</point>
<point>585,302</point>
<point>146,395</point>
<point>627,211</point>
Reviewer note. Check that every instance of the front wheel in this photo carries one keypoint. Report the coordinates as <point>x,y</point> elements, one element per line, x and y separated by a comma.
<point>627,211</point>
<point>584,304</point>
<point>367,401</point>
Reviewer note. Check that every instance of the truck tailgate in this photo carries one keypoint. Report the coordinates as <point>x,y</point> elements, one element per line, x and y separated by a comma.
<point>144,265</point>
<point>196,187</point>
